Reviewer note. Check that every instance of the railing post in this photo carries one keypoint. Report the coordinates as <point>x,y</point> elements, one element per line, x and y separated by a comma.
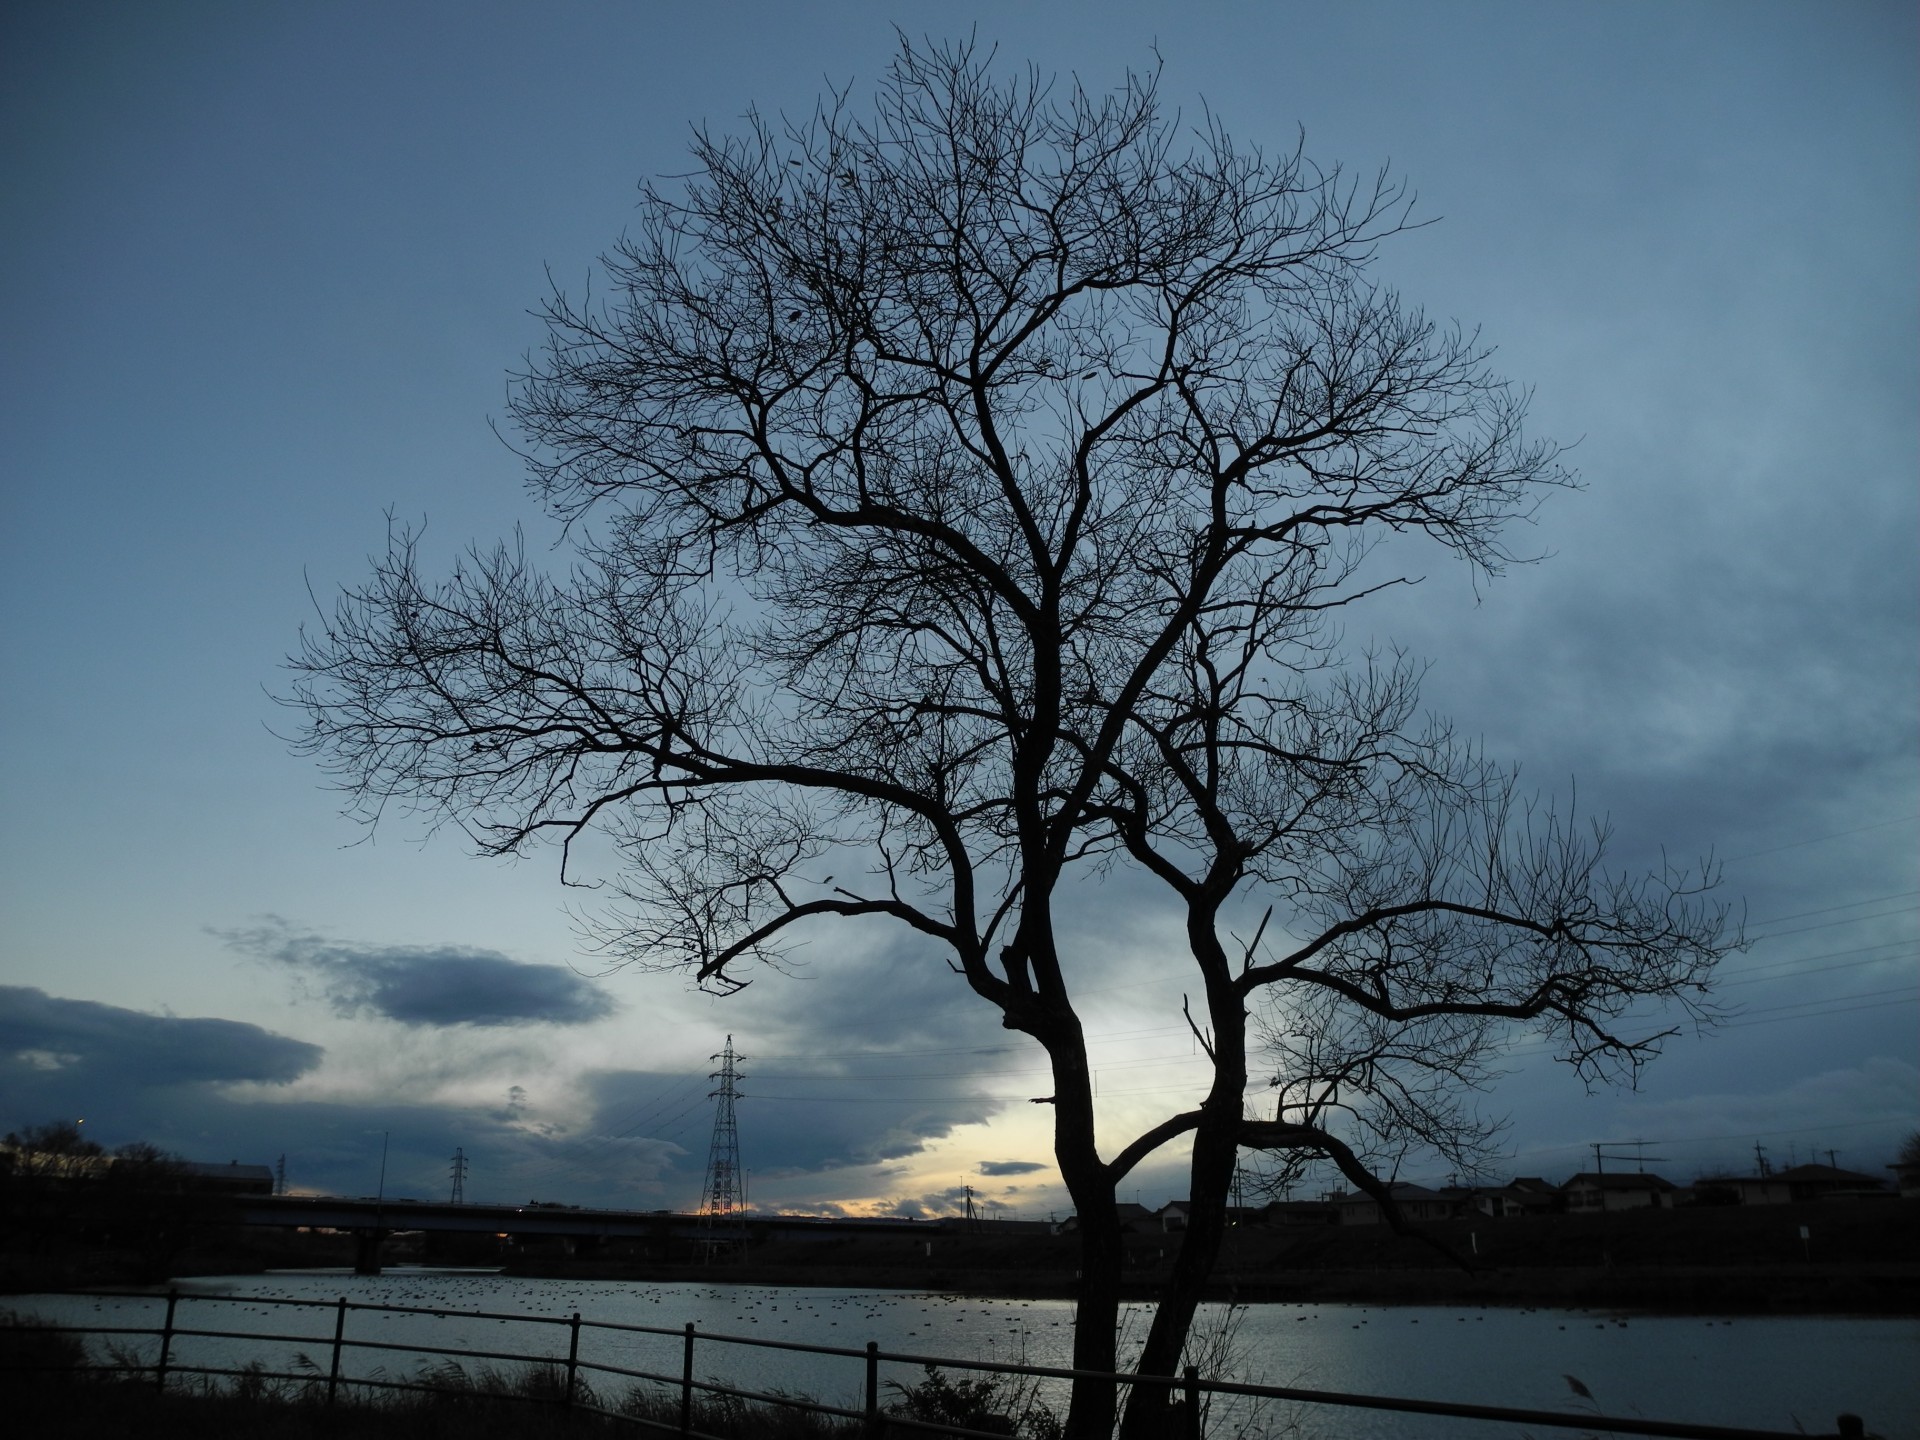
<point>1191,1375</point>
<point>339,1328</point>
<point>573,1355</point>
<point>873,1389</point>
<point>166,1342</point>
<point>686,1384</point>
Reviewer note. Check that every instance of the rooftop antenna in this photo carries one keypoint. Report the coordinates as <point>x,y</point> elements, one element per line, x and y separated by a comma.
<point>720,1217</point>
<point>1605,1151</point>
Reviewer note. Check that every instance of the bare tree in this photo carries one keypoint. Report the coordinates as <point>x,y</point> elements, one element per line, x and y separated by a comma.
<point>960,494</point>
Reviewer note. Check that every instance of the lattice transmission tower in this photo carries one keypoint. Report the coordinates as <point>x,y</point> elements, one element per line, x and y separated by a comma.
<point>720,1212</point>
<point>459,1173</point>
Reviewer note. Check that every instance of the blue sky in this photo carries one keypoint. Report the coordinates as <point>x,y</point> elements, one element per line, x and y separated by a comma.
<point>266,268</point>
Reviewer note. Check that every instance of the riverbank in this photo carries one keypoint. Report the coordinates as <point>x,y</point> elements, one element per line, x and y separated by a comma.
<point>1859,1259</point>
<point>45,1392</point>
<point>1854,1260</point>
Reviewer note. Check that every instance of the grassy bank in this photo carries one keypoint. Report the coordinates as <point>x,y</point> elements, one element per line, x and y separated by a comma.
<point>47,1391</point>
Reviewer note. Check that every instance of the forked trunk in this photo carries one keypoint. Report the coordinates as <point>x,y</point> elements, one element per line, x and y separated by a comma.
<point>1150,1414</point>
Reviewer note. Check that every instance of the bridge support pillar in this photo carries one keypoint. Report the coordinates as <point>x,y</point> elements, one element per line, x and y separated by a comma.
<point>366,1251</point>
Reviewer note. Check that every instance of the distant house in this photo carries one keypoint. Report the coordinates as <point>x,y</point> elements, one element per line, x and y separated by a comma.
<point>1526,1195</point>
<point>1172,1216</point>
<point>1302,1212</point>
<point>1592,1194</point>
<point>1414,1202</point>
<point>1794,1186</point>
<point>1906,1177</point>
<point>1134,1220</point>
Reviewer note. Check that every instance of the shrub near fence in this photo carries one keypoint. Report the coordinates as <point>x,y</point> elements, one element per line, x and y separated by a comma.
<point>679,1403</point>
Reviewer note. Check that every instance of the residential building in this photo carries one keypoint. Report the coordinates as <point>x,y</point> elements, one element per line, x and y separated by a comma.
<point>1794,1186</point>
<point>1591,1193</point>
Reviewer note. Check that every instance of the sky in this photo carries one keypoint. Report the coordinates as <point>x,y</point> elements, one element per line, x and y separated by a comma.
<point>265,270</point>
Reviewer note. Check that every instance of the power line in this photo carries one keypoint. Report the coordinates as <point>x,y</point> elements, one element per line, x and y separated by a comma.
<point>1818,1014</point>
<point>1829,909</point>
<point>1793,970</point>
<point>1829,924</point>
<point>1820,839</point>
<point>1742,1135</point>
<point>1905,990</point>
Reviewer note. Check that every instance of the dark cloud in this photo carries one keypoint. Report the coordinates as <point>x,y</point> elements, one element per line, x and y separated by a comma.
<point>1010,1167</point>
<point>46,1040</point>
<point>132,1076</point>
<point>430,985</point>
<point>895,994</point>
<point>805,1118</point>
<point>161,1079</point>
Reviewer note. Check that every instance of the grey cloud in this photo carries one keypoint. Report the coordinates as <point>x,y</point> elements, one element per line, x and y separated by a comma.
<point>795,1125</point>
<point>1011,1167</point>
<point>430,985</point>
<point>143,1077</point>
<point>899,997</point>
<point>44,1039</point>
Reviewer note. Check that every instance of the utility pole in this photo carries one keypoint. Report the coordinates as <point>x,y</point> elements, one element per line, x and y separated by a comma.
<point>459,1196</point>
<point>720,1217</point>
<point>1760,1159</point>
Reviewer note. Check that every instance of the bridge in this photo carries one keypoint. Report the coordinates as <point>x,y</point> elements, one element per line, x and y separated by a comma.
<point>371,1220</point>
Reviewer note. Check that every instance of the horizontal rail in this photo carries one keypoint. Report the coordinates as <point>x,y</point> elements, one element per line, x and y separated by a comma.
<point>1190,1385</point>
<point>1625,1424</point>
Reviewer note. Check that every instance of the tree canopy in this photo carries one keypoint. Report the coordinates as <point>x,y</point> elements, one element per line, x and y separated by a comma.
<point>963,491</point>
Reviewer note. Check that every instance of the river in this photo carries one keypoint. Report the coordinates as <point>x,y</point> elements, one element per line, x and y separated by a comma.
<point>1766,1372</point>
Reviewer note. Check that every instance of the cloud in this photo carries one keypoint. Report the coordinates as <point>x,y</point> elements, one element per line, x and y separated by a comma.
<point>47,1042</point>
<point>133,1076</point>
<point>1877,1097</point>
<point>429,985</point>
<point>791,1124</point>
<point>188,1086</point>
<point>1011,1167</point>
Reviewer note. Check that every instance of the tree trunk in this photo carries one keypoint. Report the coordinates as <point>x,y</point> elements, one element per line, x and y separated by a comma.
<point>1214,1149</point>
<point>1091,1412</point>
<point>1210,1183</point>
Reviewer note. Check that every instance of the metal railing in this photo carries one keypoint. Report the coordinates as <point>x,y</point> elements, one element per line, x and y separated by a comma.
<point>1188,1394</point>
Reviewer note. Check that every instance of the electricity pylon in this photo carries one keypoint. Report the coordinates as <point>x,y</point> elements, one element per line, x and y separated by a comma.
<point>459,1177</point>
<point>720,1215</point>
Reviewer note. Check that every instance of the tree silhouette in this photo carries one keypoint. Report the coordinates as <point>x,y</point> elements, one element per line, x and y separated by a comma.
<point>961,493</point>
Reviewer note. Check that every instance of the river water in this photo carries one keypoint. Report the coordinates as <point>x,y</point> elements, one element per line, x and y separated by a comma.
<point>1765,1372</point>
